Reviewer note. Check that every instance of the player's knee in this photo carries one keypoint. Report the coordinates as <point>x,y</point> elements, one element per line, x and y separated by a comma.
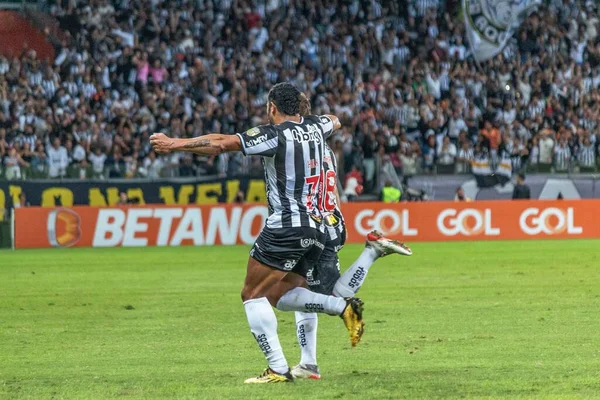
<point>250,293</point>
<point>273,299</point>
<point>245,294</point>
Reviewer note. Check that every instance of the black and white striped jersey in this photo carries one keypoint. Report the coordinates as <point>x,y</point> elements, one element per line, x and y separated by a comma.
<point>296,178</point>
<point>334,220</point>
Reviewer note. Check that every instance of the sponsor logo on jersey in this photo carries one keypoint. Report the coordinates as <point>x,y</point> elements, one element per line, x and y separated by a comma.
<point>252,132</point>
<point>257,141</point>
<point>311,135</point>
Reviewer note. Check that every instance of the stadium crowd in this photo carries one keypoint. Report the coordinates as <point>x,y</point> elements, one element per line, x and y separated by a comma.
<point>400,77</point>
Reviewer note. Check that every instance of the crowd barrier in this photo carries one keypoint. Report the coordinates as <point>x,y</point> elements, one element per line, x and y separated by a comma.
<point>160,225</point>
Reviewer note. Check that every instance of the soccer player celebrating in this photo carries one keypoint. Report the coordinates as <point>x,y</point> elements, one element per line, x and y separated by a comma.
<point>293,151</point>
<point>324,277</point>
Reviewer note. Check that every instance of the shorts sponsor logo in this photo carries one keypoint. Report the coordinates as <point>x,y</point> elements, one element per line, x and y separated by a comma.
<point>357,277</point>
<point>310,278</point>
<point>338,248</point>
<point>389,222</point>
<point>467,222</point>
<point>263,343</point>
<point>63,227</point>
<point>289,264</point>
<point>311,242</point>
<point>314,307</point>
<point>550,221</point>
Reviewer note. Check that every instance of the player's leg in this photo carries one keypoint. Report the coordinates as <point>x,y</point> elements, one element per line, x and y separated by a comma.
<point>274,254</point>
<point>306,328</point>
<point>376,246</point>
<point>290,294</point>
<point>262,320</point>
<point>306,332</point>
<point>320,279</point>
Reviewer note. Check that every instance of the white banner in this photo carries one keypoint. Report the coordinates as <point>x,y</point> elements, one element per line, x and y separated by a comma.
<point>491,23</point>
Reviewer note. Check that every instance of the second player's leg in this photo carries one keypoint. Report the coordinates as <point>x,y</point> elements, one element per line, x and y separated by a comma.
<point>289,294</point>
<point>376,246</point>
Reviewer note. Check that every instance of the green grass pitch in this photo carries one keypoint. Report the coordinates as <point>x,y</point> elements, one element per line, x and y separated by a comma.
<point>456,320</point>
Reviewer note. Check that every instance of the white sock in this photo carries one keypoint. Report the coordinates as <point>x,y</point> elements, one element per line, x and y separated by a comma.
<point>306,330</point>
<point>303,300</point>
<point>349,283</point>
<point>263,325</point>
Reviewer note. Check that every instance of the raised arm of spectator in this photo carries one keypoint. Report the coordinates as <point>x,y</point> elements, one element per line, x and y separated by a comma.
<point>21,162</point>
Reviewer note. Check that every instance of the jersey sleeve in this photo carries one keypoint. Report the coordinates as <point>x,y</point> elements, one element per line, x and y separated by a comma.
<point>260,141</point>
<point>333,159</point>
<point>326,125</point>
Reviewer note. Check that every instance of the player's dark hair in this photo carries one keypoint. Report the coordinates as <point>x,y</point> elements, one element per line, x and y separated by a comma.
<point>286,97</point>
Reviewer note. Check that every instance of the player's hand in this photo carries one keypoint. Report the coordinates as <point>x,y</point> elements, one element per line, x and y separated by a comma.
<point>161,143</point>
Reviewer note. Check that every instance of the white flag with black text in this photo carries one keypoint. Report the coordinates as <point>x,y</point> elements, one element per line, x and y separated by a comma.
<point>491,23</point>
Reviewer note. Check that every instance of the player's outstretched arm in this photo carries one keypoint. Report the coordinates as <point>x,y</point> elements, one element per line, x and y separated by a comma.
<point>211,144</point>
<point>336,122</point>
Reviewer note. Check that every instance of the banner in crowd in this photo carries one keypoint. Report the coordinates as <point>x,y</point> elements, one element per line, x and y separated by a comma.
<point>241,224</point>
<point>51,193</point>
<point>491,23</point>
<point>106,193</point>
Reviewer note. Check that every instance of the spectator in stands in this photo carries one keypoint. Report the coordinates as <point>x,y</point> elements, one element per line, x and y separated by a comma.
<point>460,195</point>
<point>587,156</point>
<point>13,164</point>
<point>98,159</point>
<point>464,158</point>
<point>546,149</point>
<point>562,156</point>
<point>22,202</point>
<point>408,158</point>
<point>58,159</point>
<point>353,186</point>
<point>153,165</point>
<point>521,190</point>
<point>390,194</point>
<point>446,156</point>
<point>123,199</point>
<point>240,197</point>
